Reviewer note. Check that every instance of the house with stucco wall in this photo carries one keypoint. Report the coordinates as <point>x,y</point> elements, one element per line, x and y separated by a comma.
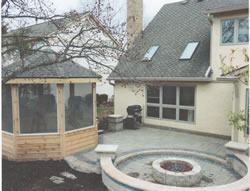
<point>173,67</point>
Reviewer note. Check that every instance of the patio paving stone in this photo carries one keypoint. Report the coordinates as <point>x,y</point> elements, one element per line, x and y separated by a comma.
<point>146,138</point>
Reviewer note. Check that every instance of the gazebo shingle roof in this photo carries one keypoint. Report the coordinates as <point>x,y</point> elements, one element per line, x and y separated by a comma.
<point>46,65</point>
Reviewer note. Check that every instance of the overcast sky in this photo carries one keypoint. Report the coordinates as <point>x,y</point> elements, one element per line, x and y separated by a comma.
<point>150,8</point>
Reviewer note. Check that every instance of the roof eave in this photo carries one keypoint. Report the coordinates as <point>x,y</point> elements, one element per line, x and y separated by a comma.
<point>226,9</point>
<point>188,79</point>
<point>232,79</point>
<point>43,80</point>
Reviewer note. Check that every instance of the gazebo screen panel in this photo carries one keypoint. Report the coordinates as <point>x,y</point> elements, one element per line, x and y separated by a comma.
<point>38,108</point>
<point>78,101</point>
<point>7,122</point>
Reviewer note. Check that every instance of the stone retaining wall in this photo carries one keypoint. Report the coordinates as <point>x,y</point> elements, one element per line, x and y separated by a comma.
<point>235,163</point>
<point>115,180</point>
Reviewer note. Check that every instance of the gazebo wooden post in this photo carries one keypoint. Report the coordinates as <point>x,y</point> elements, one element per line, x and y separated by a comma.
<point>94,103</point>
<point>15,109</point>
<point>15,115</point>
<point>95,110</point>
<point>60,115</point>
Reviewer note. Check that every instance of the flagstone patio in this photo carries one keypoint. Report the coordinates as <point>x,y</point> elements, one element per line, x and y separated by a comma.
<point>146,138</point>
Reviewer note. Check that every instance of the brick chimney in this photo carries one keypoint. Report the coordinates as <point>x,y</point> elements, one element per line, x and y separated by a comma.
<point>134,19</point>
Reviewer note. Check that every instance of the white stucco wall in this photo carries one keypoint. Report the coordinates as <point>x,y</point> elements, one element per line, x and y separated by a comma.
<point>125,95</point>
<point>225,50</point>
<point>213,102</point>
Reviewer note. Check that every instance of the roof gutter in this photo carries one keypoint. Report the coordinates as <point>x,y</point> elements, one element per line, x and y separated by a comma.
<point>188,79</point>
<point>232,79</point>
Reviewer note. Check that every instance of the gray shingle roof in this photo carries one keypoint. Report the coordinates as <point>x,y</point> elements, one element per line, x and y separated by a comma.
<point>230,6</point>
<point>48,66</point>
<point>44,29</point>
<point>172,29</point>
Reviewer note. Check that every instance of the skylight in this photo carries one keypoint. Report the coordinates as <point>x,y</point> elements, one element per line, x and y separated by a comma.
<point>189,50</point>
<point>150,53</point>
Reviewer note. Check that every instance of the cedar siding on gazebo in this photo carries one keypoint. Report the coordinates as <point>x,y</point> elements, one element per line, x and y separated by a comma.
<point>48,112</point>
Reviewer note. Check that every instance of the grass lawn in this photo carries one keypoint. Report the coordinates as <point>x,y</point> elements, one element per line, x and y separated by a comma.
<point>104,111</point>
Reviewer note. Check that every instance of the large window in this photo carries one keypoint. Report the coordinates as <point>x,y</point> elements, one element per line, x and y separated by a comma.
<point>7,124</point>
<point>38,108</point>
<point>234,31</point>
<point>78,101</point>
<point>171,102</point>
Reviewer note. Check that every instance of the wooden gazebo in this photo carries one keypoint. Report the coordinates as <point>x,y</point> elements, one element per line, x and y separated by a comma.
<point>48,111</point>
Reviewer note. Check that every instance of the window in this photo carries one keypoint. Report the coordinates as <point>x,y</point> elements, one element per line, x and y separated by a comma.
<point>78,101</point>
<point>234,31</point>
<point>169,95</point>
<point>189,50</point>
<point>169,113</point>
<point>171,102</point>
<point>7,124</point>
<point>186,115</point>
<point>153,111</point>
<point>38,108</point>
<point>153,94</point>
<point>187,96</point>
<point>150,53</point>
<point>243,30</point>
<point>228,31</point>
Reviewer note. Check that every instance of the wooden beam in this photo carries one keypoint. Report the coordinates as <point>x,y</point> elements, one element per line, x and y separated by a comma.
<point>60,116</point>
<point>52,80</point>
<point>15,109</point>
<point>15,115</point>
<point>95,112</point>
<point>94,103</point>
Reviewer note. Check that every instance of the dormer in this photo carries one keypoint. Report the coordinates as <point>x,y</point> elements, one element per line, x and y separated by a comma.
<point>229,36</point>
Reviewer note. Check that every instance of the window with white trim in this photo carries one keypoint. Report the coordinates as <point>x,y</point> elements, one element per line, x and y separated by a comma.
<point>171,102</point>
<point>234,31</point>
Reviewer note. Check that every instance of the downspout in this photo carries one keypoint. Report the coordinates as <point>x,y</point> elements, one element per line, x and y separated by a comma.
<point>210,18</point>
<point>235,108</point>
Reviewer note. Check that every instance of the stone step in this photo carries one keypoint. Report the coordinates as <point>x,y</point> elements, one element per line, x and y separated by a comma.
<point>81,165</point>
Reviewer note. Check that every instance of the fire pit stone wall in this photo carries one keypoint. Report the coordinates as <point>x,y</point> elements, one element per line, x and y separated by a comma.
<point>175,178</point>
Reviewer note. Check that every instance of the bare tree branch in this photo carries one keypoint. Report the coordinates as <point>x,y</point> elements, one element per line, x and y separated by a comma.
<point>89,36</point>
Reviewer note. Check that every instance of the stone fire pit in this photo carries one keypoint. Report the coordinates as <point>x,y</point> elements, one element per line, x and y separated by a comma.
<point>176,172</point>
